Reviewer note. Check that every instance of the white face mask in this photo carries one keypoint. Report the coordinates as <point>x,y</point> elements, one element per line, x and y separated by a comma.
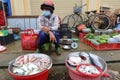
<point>46,13</point>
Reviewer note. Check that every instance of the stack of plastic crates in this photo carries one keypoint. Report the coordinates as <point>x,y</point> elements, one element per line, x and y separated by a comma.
<point>4,40</point>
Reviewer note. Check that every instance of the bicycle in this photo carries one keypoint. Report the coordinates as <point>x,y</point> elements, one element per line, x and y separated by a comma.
<point>76,10</point>
<point>96,21</point>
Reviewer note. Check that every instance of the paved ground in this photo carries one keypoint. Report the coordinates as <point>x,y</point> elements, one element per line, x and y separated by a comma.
<point>58,71</point>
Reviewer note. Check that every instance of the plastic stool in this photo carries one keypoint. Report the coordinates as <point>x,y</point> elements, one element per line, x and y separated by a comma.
<point>47,45</point>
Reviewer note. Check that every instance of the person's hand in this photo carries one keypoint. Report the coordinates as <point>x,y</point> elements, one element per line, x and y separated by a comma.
<point>52,37</point>
<point>45,29</point>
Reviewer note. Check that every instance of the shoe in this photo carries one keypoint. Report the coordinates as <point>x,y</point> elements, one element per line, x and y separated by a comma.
<point>37,50</point>
<point>58,51</point>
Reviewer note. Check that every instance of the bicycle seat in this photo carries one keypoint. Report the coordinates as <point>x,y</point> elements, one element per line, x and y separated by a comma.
<point>117,15</point>
<point>102,11</point>
<point>87,12</point>
<point>94,11</point>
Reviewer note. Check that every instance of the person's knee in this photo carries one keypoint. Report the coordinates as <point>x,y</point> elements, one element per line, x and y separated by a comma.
<point>42,37</point>
<point>41,33</point>
<point>56,33</point>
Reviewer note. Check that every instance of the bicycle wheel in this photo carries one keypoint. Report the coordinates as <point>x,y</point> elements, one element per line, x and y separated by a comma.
<point>101,22</point>
<point>65,19</point>
<point>74,20</point>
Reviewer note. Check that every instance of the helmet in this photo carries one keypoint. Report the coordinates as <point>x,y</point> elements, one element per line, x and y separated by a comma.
<point>48,4</point>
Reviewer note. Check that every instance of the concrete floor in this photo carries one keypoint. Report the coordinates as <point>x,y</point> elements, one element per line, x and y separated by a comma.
<point>59,70</point>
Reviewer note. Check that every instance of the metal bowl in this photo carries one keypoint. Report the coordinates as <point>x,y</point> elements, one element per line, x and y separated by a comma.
<point>102,62</point>
<point>10,66</point>
<point>86,30</point>
<point>66,47</point>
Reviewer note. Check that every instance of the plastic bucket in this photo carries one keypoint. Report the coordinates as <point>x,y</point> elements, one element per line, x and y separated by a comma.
<point>39,76</point>
<point>75,75</point>
<point>89,75</point>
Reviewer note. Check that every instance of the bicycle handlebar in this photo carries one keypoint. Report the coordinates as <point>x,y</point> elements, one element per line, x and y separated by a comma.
<point>80,6</point>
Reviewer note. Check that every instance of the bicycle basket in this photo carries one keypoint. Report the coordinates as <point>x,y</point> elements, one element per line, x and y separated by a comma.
<point>76,9</point>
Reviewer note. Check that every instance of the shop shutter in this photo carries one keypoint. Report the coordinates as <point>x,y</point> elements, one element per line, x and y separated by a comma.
<point>114,4</point>
<point>62,7</point>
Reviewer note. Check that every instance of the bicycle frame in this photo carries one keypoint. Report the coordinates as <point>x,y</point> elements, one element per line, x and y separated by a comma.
<point>90,19</point>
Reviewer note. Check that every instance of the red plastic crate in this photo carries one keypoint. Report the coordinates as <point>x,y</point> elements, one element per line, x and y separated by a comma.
<point>81,35</point>
<point>86,41</point>
<point>117,46</point>
<point>105,46</point>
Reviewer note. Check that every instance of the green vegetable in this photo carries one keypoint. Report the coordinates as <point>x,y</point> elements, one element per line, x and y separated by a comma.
<point>113,34</point>
<point>90,36</point>
<point>103,38</point>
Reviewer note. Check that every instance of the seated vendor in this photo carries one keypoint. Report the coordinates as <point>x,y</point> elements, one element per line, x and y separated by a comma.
<point>48,24</point>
